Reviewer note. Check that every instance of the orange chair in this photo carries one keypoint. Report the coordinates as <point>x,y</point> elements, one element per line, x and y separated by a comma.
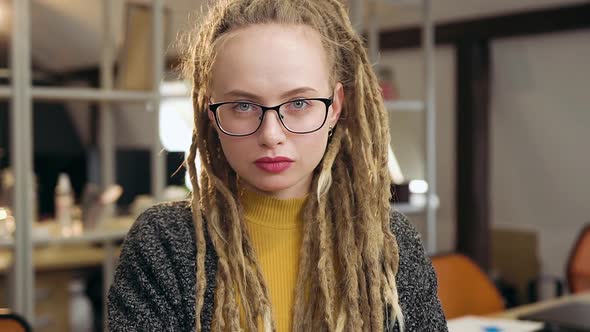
<point>463,288</point>
<point>578,267</point>
<point>11,322</point>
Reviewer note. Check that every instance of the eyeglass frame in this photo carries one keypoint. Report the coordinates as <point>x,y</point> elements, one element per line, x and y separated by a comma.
<point>214,106</point>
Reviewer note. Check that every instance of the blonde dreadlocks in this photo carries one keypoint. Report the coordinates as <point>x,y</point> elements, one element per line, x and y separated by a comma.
<point>347,218</point>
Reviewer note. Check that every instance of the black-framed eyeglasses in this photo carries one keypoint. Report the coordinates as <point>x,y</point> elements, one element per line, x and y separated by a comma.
<point>299,116</point>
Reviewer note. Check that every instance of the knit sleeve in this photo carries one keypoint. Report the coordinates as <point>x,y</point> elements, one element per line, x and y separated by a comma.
<point>153,288</point>
<point>416,280</point>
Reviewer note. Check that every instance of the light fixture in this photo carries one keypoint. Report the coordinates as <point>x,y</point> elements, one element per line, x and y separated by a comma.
<point>418,187</point>
<point>176,117</point>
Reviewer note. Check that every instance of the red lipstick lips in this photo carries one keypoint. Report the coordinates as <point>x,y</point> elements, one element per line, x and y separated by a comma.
<point>274,165</point>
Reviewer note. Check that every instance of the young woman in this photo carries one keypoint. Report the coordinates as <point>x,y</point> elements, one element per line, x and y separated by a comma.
<point>289,226</point>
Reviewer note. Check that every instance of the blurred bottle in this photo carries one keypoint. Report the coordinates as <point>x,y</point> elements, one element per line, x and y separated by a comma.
<point>7,188</point>
<point>81,317</point>
<point>90,207</point>
<point>64,200</point>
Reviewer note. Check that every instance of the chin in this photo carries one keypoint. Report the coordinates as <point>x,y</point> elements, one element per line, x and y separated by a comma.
<point>271,186</point>
<point>271,183</point>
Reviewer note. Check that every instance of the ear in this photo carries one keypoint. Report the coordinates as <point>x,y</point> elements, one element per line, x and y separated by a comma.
<point>337,104</point>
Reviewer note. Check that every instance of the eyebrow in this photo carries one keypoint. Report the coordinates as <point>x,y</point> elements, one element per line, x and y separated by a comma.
<point>246,94</point>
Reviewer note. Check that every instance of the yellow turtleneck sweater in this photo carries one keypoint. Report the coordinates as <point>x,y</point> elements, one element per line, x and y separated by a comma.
<point>275,227</point>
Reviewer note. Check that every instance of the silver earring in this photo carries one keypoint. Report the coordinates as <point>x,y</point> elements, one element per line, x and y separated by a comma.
<point>330,131</point>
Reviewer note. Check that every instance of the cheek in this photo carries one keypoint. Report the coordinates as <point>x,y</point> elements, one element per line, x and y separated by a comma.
<point>235,150</point>
<point>312,147</point>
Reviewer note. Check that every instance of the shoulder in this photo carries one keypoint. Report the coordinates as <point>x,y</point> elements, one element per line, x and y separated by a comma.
<point>416,279</point>
<point>412,256</point>
<point>162,235</point>
<point>415,267</point>
<point>154,285</point>
<point>174,214</point>
<point>406,235</point>
<point>164,221</point>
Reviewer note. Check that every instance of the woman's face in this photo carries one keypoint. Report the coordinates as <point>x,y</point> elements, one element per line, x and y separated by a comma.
<point>269,64</point>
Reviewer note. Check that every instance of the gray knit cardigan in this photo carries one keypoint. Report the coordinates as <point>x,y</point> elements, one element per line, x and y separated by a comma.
<point>154,285</point>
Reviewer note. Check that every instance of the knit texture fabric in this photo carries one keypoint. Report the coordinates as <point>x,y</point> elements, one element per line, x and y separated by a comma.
<point>154,285</point>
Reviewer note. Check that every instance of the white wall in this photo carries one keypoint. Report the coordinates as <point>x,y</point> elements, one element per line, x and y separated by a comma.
<point>540,136</point>
<point>407,131</point>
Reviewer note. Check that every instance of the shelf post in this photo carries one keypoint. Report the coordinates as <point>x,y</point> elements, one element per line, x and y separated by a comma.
<point>430,125</point>
<point>23,300</point>
<point>107,140</point>
<point>157,154</point>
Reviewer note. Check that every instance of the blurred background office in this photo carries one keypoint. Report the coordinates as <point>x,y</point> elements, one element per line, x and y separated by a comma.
<point>488,108</point>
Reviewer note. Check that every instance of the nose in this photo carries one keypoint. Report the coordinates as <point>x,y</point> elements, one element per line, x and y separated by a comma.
<point>271,131</point>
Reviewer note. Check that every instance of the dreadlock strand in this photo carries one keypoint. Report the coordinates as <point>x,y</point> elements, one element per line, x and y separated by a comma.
<point>312,321</point>
<point>302,289</point>
<point>347,248</point>
<point>201,281</point>
<point>325,266</point>
<point>325,263</point>
<point>230,307</point>
<point>219,296</point>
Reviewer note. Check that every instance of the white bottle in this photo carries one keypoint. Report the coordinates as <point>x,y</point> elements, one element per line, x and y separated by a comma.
<point>64,200</point>
<point>81,316</point>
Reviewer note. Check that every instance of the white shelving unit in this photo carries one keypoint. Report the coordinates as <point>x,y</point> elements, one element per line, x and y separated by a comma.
<point>426,106</point>
<point>87,94</point>
<point>22,93</point>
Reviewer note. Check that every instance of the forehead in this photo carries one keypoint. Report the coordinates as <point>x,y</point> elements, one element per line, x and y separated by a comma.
<point>268,59</point>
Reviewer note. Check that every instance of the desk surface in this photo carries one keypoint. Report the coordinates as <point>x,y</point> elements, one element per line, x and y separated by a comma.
<point>77,251</point>
<point>49,233</point>
<point>514,313</point>
<point>59,257</point>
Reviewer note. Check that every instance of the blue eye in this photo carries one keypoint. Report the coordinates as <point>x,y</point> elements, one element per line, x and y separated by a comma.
<point>244,107</point>
<point>299,104</point>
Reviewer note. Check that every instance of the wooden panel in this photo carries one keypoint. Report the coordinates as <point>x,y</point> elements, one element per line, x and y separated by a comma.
<point>473,136</point>
<point>511,25</point>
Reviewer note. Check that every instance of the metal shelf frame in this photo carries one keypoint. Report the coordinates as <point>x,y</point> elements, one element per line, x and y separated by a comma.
<point>427,105</point>
<point>22,93</point>
<point>85,94</point>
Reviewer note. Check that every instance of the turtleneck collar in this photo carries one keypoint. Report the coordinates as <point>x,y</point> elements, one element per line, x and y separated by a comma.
<point>272,212</point>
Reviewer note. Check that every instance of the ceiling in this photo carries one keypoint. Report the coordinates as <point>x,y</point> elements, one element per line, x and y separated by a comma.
<point>66,34</point>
